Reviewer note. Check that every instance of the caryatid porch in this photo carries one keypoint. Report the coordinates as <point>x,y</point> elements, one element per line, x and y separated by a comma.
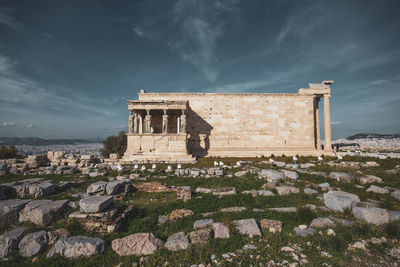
<point>157,132</point>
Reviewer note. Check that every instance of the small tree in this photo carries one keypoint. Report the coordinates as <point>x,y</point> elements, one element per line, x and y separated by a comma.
<point>114,144</point>
<point>8,153</point>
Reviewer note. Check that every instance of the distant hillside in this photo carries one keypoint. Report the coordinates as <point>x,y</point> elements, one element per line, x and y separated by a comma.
<point>372,135</point>
<point>33,141</point>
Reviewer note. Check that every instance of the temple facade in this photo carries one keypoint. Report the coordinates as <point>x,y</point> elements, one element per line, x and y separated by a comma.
<point>179,127</point>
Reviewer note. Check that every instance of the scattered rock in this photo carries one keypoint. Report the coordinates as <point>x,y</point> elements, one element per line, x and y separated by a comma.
<point>286,190</point>
<point>369,179</point>
<point>180,213</point>
<point>220,230</point>
<point>136,244</point>
<point>177,241</point>
<point>247,227</point>
<point>304,232</point>
<point>396,195</point>
<point>114,187</point>
<point>224,191</point>
<point>290,174</point>
<point>394,215</point>
<point>76,246</point>
<point>322,223</point>
<point>9,241</point>
<point>271,175</point>
<point>32,243</point>
<point>341,177</point>
<point>95,203</point>
<point>200,236</point>
<point>53,236</point>
<point>203,190</point>
<point>309,191</point>
<point>371,215</point>
<point>272,226</point>
<point>97,187</point>
<point>203,223</point>
<point>42,212</point>
<point>340,200</point>
<point>377,189</point>
<point>240,173</point>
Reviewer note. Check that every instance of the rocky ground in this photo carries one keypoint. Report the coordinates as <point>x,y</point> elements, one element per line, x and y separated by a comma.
<point>218,212</point>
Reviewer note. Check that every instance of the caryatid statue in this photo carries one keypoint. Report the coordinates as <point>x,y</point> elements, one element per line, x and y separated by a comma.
<point>183,122</point>
<point>147,122</point>
<point>131,118</point>
<point>165,122</point>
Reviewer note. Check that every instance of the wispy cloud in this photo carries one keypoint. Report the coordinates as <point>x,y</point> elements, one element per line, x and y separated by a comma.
<point>139,32</point>
<point>7,124</point>
<point>7,18</point>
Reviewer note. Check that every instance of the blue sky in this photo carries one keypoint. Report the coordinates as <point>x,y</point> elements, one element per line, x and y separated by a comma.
<point>68,67</point>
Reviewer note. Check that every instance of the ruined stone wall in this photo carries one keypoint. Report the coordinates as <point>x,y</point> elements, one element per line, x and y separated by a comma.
<point>245,124</point>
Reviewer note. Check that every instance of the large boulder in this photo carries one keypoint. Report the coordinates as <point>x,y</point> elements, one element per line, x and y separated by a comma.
<point>247,227</point>
<point>272,175</point>
<point>340,201</point>
<point>9,210</point>
<point>76,246</point>
<point>34,187</point>
<point>42,212</point>
<point>114,187</point>
<point>92,204</point>
<point>371,215</point>
<point>341,177</point>
<point>32,244</point>
<point>177,241</point>
<point>220,230</point>
<point>9,241</point>
<point>200,236</point>
<point>136,244</point>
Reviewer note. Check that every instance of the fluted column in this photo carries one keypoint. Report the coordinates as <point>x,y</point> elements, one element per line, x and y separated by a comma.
<point>327,123</point>
<point>317,124</point>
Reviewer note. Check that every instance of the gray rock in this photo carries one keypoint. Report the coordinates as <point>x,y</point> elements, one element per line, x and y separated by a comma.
<point>309,191</point>
<point>200,236</point>
<point>247,227</point>
<point>32,244</point>
<point>9,241</point>
<point>394,215</point>
<point>42,212</point>
<point>341,177</point>
<point>377,189</point>
<point>9,210</point>
<point>115,187</point>
<point>136,244</point>
<point>93,204</point>
<point>290,174</point>
<point>97,187</point>
<point>279,163</point>
<point>368,179</point>
<point>304,232</point>
<point>371,215</point>
<point>272,175</point>
<point>76,246</point>
<point>220,230</point>
<point>224,191</point>
<point>177,241</point>
<point>340,201</point>
<point>203,223</point>
<point>395,195</point>
<point>322,223</point>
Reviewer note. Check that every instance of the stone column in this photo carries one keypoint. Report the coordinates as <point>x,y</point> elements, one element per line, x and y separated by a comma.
<point>135,124</point>
<point>183,122</point>
<point>317,125</point>
<point>165,122</point>
<point>130,124</point>
<point>327,123</point>
<point>178,126</point>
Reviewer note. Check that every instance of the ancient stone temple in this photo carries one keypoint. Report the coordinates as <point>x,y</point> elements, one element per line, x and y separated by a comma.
<point>178,127</point>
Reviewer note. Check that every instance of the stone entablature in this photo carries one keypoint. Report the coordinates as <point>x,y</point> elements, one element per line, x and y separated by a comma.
<point>171,125</point>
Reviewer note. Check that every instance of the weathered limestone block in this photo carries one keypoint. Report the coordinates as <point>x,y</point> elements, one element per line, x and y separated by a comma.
<point>220,230</point>
<point>177,241</point>
<point>395,194</point>
<point>97,187</point>
<point>371,215</point>
<point>203,223</point>
<point>377,189</point>
<point>9,210</point>
<point>136,244</point>
<point>247,227</point>
<point>32,244</point>
<point>309,191</point>
<point>304,232</point>
<point>224,191</point>
<point>322,223</point>
<point>92,204</point>
<point>291,174</point>
<point>286,190</point>
<point>369,179</point>
<point>180,213</point>
<point>42,212</point>
<point>340,201</point>
<point>341,177</point>
<point>271,175</point>
<point>77,246</point>
<point>9,241</point>
<point>200,236</point>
